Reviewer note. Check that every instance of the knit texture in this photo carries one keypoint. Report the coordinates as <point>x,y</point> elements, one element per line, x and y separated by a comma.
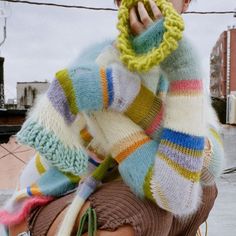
<point>158,141</point>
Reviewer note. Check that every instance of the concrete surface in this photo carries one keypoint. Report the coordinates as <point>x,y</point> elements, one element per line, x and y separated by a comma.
<point>222,219</point>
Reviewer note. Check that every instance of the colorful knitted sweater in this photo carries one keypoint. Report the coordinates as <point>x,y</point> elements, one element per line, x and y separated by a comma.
<point>158,141</point>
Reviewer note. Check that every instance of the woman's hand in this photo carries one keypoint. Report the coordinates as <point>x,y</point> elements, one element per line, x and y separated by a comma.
<point>140,20</point>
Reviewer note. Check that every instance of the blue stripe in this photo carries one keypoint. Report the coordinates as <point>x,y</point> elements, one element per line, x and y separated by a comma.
<point>184,140</point>
<point>93,161</point>
<point>110,85</point>
<point>29,191</point>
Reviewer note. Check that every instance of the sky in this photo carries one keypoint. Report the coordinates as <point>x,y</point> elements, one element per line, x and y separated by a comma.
<point>42,40</point>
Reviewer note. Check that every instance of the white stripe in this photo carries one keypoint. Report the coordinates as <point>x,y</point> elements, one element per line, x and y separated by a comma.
<point>183,195</point>
<point>115,127</point>
<point>186,114</point>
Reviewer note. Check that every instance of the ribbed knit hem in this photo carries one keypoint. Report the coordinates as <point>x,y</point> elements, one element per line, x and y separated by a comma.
<point>52,149</point>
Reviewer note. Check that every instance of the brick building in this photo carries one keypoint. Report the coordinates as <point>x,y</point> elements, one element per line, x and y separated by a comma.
<point>223,64</point>
<point>223,70</point>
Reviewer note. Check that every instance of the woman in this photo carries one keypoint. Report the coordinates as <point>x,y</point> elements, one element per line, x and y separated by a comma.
<point>119,211</point>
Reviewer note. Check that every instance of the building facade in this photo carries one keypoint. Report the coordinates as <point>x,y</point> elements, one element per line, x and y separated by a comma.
<point>28,91</point>
<point>223,65</point>
<point>223,72</point>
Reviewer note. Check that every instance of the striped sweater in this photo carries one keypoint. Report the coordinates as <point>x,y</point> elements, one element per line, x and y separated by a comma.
<point>157,142</point>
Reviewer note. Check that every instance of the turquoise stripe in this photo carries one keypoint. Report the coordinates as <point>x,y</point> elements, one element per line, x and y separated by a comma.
<point>135,168</point>
<point>54,183</point>
<point>87,85</point>
<point>52,149</point>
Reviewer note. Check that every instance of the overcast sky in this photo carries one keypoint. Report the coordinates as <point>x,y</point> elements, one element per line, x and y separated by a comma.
<point>42,40</point>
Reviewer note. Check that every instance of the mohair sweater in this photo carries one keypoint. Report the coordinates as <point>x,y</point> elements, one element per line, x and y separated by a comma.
<point>158,141</point>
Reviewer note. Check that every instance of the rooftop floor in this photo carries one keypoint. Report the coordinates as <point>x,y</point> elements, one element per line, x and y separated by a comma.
<point>222,219</point>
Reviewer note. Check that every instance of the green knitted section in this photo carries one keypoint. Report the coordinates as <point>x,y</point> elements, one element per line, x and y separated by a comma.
<point>66,159</point>
<point>183,63</point>
<point>102,169</point>
<point>146,185</point>
<point>149,39</point>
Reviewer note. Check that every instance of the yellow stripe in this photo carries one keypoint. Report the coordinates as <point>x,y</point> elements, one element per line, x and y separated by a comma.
<point>152,114</point>
<point>216,135</point>
<point>190,175</point>
<point>186,93</point>
<point>186,151</point>
<point>67,86</point>
<point>147,185</point>
<point>157,190</point>
<point>39,165</point>
<point>72,178</point>
<point>141,106</point>
<point>104,88</point>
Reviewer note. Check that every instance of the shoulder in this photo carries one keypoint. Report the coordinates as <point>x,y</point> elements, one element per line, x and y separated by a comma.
<point>91,52</point>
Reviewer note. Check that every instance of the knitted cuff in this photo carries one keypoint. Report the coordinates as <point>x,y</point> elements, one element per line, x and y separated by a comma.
<point>175,183</point>
<point>150,38</point>
<point>46,131</point>
<point>147,112</point>
<point>93,88</point>
<point>126,86</point>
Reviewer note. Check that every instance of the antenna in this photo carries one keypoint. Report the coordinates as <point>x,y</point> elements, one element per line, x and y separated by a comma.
<point>4,13</point>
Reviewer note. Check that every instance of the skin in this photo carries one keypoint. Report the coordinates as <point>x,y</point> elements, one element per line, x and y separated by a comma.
<point>139,22</point>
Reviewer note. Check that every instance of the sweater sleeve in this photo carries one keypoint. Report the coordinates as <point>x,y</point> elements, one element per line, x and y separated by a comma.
<point>179,161</point>
<point>89,88</point>
<point>173,181</point>
<point>53,124</point>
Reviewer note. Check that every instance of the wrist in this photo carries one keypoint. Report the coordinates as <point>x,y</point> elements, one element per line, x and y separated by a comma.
<point>150,38</point>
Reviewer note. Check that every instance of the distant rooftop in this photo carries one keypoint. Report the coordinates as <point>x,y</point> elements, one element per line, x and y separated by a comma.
<point>34,82</point>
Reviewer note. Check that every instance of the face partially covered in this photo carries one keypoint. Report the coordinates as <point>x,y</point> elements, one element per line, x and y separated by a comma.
<point>180,5</point>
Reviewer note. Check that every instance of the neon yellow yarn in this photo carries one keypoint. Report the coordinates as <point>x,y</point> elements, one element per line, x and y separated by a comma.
<point>174,26</point>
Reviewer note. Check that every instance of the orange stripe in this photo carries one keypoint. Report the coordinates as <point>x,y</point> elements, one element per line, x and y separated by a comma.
<point>35,190</point>
<point>85,135</point>
<point>124,154</point>
<point>104,88</point>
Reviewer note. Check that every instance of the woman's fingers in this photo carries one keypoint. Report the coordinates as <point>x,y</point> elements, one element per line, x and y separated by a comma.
<point>140,19</point>
<point>135,25</point>
<point>144,16</point>
<point>155,10</point>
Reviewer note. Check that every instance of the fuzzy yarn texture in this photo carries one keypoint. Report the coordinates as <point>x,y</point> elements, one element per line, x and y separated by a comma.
<point>97,106</point>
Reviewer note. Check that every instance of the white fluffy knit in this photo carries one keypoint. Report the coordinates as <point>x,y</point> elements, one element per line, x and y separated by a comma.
<point>183,114</point>
<point>162,186</point>
<point>43,112</point>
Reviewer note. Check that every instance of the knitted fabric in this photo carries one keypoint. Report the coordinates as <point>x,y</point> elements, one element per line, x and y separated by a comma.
<point>174,27</point>
<point>158,143</point>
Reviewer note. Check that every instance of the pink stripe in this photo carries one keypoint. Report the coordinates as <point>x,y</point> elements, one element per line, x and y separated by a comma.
<point>8,218</point>
<point>156,123</point>
<point>184,85</point>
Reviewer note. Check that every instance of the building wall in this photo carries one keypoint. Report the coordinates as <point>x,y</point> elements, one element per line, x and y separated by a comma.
<point>218,63</point>
<point>218,82</point>
<point>233,61</point>
<point>28,91</point>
